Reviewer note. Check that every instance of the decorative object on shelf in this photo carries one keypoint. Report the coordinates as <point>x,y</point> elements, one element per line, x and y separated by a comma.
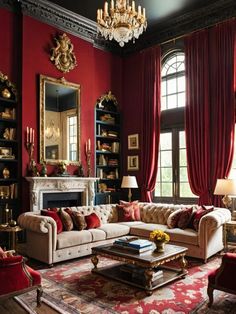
<point>159,237</point>
<point>129,182</point>
<point>122,23</point>
<point>133,141</point>
<point>133,163</point>
<point>7,87</point>
<point>226,187</point>
<point>6,153</point>
<point>62,169</point>
<point>107,102</point>
<point>80,170</point>
<point>8,113</point>
<point>62,55</point>
<point>9,133</point>
<point>88,156</point>
<point>43,172</point>
<point>32,166</point>
<point>6,173</point>
<point>6,93</point>
<point>7,214</point>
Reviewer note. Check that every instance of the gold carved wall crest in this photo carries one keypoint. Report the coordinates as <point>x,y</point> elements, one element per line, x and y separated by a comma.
<point>62,55</point>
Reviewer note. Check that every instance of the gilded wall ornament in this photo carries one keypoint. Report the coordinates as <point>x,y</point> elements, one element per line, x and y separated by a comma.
<point>62,55</point>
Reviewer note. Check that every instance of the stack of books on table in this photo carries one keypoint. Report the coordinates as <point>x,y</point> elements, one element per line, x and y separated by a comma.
<point>137,273</point>
<point>134,245</point>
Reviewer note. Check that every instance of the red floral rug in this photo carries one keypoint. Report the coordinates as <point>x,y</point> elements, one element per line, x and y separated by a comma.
<point>74,289</point>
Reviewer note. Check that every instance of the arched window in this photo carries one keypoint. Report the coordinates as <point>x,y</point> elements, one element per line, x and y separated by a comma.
<point>172,178</point>
<point>173,82</point>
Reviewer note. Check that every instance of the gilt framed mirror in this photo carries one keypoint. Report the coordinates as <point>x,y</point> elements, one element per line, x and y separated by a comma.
<point>59,121</point>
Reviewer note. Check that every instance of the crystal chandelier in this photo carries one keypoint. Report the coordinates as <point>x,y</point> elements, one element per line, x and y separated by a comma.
<point>52,132</point>
<point>123,22</point>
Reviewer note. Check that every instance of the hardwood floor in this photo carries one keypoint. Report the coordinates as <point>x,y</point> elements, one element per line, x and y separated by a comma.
<point>12,307</point>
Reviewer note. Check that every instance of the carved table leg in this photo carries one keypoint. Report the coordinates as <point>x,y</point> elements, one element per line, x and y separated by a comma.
<point>94,260</point>
<point>183,264</point>
<point>148,280</point>
<point>39,295</point>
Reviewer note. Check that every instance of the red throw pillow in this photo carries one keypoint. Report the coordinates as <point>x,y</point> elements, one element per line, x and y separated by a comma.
<point>202,211</point>
<point>128,211</point>
<point>92,221</point>
<point>172,220</point>
<point>55,216</point>
<point>184,218</point>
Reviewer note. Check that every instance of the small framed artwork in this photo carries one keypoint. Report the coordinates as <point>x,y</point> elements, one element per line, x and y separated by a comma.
<point>133,142</point>
<point>52,152</point>
<point>133,163</point>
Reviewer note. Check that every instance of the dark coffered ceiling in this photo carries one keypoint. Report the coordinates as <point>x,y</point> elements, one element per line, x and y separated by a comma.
<point>167,19</point>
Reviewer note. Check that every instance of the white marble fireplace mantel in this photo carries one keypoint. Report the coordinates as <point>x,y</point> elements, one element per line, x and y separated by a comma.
<point>41,185</point>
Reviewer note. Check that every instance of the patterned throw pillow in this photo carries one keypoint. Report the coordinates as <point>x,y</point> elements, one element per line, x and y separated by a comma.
<point>172,220</point>
<point>66,219</point>
<point>202,211</point>
<point>128,211</point>
<point>92,221</point>
<point>185,217</point>
<point>55,216</point>
<point>79,221</point>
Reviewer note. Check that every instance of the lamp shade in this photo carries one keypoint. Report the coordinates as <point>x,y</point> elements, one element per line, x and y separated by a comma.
<point>129,182</point>
<point>225,187</point>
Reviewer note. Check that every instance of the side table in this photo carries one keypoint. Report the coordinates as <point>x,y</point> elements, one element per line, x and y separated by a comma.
<point>12,235</point>
<point>229,234</point>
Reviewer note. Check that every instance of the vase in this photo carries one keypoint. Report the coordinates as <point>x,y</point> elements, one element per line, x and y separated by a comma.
<point>160,246</point>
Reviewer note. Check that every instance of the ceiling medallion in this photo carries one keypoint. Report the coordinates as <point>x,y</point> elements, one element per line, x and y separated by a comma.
<point>62,55</point>
<point>122,22</point>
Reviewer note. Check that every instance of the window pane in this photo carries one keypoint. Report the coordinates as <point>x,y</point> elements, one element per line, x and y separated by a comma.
<point>181,83</point>
<point>182,143</point>
<point>166,189</point>
<point>163,103</point>
<point>182,157</point>
<point>158,189</point>
<point>171,101</point>
<point>171,86</point>
<point>166,158</point>
<point>183,175</point>
<point>163,88</point>
<point>185,190</point>
<point>166,174</point>
<point>166,141</point>
<point>181,100</point>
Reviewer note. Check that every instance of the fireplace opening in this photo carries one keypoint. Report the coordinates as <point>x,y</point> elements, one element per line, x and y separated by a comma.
<point>62,199</point>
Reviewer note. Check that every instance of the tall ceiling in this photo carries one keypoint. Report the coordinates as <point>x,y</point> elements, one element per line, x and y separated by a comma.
<point>167,19</point>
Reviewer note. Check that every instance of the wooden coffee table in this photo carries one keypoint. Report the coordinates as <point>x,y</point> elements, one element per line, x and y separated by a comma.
<point>147,262</point>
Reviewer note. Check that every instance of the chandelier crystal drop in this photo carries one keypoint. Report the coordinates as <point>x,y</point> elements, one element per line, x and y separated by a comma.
<point>122,22</point>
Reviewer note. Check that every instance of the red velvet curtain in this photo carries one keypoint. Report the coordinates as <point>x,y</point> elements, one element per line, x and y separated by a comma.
<point>210,103</point>
<point>197,114</point>
<point>221,50</point>
<point>150,110</point>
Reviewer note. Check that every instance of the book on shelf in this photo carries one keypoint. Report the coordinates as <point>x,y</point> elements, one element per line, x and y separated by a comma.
<point>139,272</point>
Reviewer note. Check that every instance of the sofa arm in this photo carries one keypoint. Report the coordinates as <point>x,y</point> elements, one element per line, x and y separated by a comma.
<point>215,219</point>
<point>37,223</point>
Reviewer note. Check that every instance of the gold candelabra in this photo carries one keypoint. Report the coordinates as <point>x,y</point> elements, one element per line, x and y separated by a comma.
<point>88,157</point>
<point>32,167</point>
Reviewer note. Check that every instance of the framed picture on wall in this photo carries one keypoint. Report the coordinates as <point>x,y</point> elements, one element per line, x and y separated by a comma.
<point>133,141</point>
<point>133,163</point>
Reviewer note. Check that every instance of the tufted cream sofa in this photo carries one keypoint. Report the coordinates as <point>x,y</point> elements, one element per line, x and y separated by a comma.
<point>43,242</point>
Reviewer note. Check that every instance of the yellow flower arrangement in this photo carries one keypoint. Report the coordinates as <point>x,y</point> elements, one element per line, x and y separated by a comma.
<point>159,235</point>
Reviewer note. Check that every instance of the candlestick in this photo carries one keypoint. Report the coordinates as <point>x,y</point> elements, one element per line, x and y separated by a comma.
<point>88,156</point>
<point>32,167</point>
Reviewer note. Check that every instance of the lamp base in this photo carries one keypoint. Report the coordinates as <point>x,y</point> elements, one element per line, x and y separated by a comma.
<point>227,201</point>
<point>129,195</point>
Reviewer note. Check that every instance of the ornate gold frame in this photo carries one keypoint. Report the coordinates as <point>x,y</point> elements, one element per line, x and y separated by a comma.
<point>61,81</point>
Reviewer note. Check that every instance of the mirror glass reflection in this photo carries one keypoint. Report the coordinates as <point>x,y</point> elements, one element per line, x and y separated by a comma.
<point>59,120</point>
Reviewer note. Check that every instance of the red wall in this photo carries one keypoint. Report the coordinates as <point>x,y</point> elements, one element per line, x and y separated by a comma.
<point>97,72</point>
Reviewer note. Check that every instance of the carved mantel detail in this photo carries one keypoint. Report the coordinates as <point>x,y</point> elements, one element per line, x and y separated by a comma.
<point>41,185</point>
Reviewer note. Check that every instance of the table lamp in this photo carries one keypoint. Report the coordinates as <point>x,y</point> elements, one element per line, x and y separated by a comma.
<point>226,187</point>
<point>129,182</point>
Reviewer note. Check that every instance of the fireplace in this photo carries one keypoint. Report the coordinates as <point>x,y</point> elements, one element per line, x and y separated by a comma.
<point>60,191</point>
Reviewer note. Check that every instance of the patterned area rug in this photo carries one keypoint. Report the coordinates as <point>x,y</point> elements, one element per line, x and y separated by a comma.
<point>74,289</point>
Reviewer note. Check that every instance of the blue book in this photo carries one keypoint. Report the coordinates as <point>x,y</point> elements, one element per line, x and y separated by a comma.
<point>140,243</point>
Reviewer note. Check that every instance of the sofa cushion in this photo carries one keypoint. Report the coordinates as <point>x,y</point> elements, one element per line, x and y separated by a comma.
<point>72,238</point>
<point>92,221</point>
<point>55,216</point>
<point>202,211</point>
<point>185,217</point>
<point>157,213</point>
<point>172,220</point>
<point>145,229</point>
<point>114,230</point>
<point>66,220</point>
<point>97,234</point>
<point>181,236</point>
<point>128,211</point>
